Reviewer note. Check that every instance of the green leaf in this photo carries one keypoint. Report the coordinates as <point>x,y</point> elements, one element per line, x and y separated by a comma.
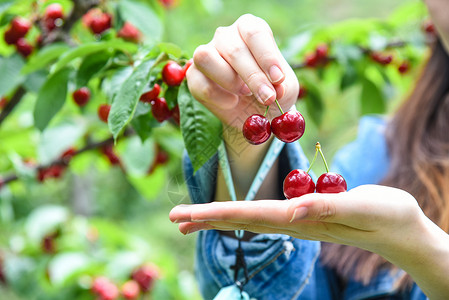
<point>63,265</point>
<point>143,125</point>
<point>171,96</point>
<point>201,130</point>
<point>10,76</point>
<point>55,140</point>
<point>143,17</point>
<point>35,80</point>
<point>138,156</point>
<point>150,186</point>
<point>44,57</point>
<point>44,220</point>
<point>171,49</point>
<point>51,98</point>
<point>112,84</point>
<point>90,48</point>
<point>125,101</point>
<point>349,77</point>
<point>372,99</point>
<point>315,106</point>
<point>91,65</point>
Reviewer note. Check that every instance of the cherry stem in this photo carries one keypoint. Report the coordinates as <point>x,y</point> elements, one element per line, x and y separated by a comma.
<point>266,111</point>
<point>279,106</point>
<point>318,148</point>
<point>313,160</point>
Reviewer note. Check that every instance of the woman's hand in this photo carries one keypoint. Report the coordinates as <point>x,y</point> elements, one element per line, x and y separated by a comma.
<point>384,220</point>
<point>241,71</point>
<point>371,217</point>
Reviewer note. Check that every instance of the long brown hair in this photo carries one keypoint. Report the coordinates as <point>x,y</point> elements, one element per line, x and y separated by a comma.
<point>418,143</point>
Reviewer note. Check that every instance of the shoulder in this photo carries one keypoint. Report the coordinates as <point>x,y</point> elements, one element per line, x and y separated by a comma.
<point>366,159</point>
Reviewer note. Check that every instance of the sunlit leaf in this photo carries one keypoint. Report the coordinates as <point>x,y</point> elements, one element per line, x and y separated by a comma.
<point>200,129</point>
<point>51,98</point>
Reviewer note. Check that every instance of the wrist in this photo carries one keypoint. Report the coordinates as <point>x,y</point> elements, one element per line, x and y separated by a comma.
<point>423,252</point>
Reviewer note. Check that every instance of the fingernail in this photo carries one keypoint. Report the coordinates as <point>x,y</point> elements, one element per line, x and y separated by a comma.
<point>265,93</point>
<point>275,74</point>
<point>299,213</point>
<point>245,91</point>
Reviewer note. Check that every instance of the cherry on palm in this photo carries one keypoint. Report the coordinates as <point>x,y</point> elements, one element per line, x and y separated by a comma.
<point>297,183</point>
<point>331,182</point>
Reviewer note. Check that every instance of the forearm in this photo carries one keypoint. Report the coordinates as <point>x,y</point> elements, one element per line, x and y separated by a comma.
<point>424,254</point>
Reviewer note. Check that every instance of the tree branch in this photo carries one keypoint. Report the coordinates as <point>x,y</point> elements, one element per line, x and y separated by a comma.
<point>60,161</point>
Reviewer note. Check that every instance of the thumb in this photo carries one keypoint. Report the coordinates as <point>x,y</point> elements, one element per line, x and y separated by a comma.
<point>314,207</point>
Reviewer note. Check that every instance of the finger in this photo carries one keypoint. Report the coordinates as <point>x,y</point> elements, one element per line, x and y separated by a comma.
<point>257,35</point>
<point>210,63</point>
<point>190,227</point>
<point>208,92</point>
<point>346,208</point>
<point>273,212</point>
<point>233,49</point>
<point>315,206</point>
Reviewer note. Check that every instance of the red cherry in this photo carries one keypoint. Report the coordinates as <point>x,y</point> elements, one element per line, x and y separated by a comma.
<point>108,151</point>
<point>311,60</point>
<point>428,27</point>
<point>81,96</point>
<point>111,292</point>
<point>23,47</point>
<point>173,74</point>
<point>322,51</point>
<point>302,92</point>
<point>404,67</point>
<point>53,12</point>
<point>145,276</point>
<point>289,126</point>
<point>100,23</point>
<point>162,156</point>
<point>151,95</point>
<point>168,3</point>
<point>256,129</point>
<point>130,290</point>
<point>298,183</point>
<point>20,26</point>
<point>331,183</point>
<point>103,112</point>
<point>53,171</point>
<point>175,114</point>
<point>3,102</point>
<point>10,37</point>
<point>160,110</point>
<point>48,244</point>
<point>187,66</point>
<point>129,33</point>
<point>381,59</point>
<point>99,285</point>
<point>68,154</point>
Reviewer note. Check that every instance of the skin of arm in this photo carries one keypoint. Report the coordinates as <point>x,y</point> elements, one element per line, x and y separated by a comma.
<point>384,220</point>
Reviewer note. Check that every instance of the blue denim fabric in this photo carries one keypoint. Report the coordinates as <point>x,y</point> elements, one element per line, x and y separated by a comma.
<point>281,267</point>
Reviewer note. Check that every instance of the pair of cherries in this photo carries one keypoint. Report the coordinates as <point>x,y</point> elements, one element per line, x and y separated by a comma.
<point>298,182</point>
<point>288,127</point>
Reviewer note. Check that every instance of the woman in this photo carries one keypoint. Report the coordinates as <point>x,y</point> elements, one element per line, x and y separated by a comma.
<point>410,153</point>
